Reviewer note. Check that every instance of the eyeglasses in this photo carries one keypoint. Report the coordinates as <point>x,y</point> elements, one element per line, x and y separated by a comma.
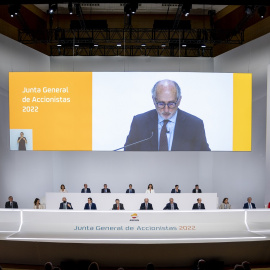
<point>171,105</point>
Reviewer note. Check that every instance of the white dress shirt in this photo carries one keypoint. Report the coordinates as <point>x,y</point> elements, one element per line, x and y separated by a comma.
<point>150,191</point>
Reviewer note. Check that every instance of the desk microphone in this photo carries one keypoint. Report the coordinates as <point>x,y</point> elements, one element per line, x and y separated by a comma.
<point>135,142</point>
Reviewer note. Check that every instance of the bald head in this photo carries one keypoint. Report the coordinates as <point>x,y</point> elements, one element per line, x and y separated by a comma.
<point>166,84</point>
<point>166,96</point>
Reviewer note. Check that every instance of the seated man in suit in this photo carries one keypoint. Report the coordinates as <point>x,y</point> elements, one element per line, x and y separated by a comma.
<point>90,205</point>
<point>86,189</point>
<point>196,189</point>
<point>166,128</point>
<point>118,205</point>
<point>199,205</point>
<point>171,205</point>
<point>105,189</point>
<point>65,205</point>
<point>11,203</point>
<point>176,189</point>
<point>130,189</point>
<point>249,204</point>
<point>146,205</point>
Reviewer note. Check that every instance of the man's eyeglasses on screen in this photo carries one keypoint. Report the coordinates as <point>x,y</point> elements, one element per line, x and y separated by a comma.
<point>171,105</point>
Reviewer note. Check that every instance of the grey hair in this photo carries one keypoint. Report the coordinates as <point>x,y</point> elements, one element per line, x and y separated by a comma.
<point>178,89</point>
<point>248,198</point>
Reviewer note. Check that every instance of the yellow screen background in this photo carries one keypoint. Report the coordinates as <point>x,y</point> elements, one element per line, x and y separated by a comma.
<point>242,111</point>
<point>56,126</point>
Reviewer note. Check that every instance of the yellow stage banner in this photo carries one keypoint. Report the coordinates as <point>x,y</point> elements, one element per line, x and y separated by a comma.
<point>51,110</point>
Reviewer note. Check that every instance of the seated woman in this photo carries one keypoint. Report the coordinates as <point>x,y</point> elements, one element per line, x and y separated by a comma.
<point>225,204</point>
<point>38,205</point>
<point>63,189</point>
<point>150,189</point>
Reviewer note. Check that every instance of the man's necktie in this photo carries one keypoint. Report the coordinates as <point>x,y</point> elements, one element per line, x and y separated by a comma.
<point>145,206</point>
<point>11,205</point>
<point>199,206</point>
<point>118,208</point>
<point>163,141</point>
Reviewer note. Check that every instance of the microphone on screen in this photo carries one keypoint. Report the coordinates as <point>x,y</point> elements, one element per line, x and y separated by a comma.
<point>135,142</point>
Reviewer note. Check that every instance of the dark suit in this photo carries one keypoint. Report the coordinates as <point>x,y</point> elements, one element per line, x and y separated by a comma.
<point>93,206</point>
<point>149,206</point>
<point>246,206</point>
<point>62,205</point>
<point>103,190</point>
<point>189,134</point>
<point>121,206</point>
<point>14,205</point>
<point>88,190</point>
<point>195,206</point>
<point>132,190</point>
<point>174,191</point>
<point>194,190</point>
<point>168,206</point>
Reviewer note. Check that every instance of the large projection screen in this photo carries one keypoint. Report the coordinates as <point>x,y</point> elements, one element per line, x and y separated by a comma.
<point>94,111</point>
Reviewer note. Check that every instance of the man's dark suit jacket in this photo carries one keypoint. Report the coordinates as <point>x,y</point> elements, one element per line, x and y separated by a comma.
<point>189,134</point>
<point>149,206</point>
<point>174,191</point>
<point>14,205</point>
<point>195,206</point>
<point>103,190</point>
<point>93,206</point>
<point>194,190</point>
<point>132,190</point>
<point>168,206</point>
<point>115,206</point>
<point>62,206</point>
<point>246,206</point>
<point>87,190</point>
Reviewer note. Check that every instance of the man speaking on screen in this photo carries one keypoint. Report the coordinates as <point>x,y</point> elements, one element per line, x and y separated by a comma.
<point>167,128</point>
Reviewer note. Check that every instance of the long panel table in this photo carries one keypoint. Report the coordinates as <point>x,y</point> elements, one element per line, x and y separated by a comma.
<point>135,227</point>
<point>132,201</point>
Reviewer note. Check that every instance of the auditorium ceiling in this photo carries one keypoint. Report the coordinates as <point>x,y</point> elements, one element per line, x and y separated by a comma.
<point>161,28</point>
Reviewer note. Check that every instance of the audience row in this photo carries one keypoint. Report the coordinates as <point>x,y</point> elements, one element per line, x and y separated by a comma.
<point>198,265</point>
<point>205,265</point>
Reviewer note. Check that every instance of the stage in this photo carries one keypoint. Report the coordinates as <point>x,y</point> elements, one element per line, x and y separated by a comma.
<point>128,238</point>
<point>135,227</point>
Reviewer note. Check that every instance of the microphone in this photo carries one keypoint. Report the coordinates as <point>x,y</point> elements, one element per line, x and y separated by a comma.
<point>135,142</point>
